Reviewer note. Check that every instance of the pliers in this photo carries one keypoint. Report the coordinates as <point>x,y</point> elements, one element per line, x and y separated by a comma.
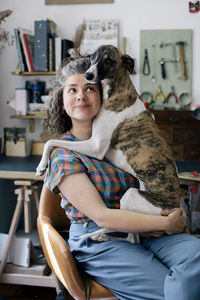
<point>157,94</point>
<point>171,94</point>
<point>146,65</point>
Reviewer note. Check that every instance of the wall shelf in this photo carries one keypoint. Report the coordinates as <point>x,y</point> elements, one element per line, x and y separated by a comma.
<point>29,116</point>
<point>34,73</point>
<point>31,119</point>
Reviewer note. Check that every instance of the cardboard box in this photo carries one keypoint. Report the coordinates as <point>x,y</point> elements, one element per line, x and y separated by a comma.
<point>37,148</point>
<point>19,253</point>
<point>21,148</point>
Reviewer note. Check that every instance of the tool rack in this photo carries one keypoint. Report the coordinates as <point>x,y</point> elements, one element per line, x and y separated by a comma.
<point>166,68</point>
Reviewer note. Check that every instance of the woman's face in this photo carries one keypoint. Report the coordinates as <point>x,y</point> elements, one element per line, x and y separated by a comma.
<point>81,100</point>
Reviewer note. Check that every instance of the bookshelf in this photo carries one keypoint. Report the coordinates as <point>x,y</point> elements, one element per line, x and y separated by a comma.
<point>31,119</point>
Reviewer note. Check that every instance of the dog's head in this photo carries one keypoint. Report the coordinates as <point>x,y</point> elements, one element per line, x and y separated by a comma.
<point>106,63</point>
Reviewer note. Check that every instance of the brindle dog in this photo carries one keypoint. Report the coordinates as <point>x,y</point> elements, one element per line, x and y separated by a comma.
<point>125,132</point>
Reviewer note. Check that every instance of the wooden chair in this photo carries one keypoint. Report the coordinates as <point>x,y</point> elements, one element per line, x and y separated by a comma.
<point>50,220</point>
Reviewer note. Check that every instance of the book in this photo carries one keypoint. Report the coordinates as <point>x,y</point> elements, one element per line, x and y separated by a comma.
<point>29,50</point>
<point>58,52</point>
<point>41,45</point>
<point>51,54</point>
<point>24,32</point>
<point>99,32</point>
<point>19,53</point>
<point>66,45</point>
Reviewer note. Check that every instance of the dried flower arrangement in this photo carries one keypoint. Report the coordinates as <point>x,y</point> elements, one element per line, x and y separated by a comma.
<point>5,37</point>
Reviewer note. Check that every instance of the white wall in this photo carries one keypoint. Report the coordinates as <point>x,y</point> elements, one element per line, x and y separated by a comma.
<point>133,15</point>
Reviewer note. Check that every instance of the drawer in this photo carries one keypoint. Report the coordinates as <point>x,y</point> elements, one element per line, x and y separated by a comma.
<point>182,136</point>
<point>192,152</point>
<point>167,134</point>
<point>177,151</point>
<point>179,119</point>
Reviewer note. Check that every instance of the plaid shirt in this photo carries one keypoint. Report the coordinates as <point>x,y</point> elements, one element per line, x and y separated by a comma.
<point>110,181</point>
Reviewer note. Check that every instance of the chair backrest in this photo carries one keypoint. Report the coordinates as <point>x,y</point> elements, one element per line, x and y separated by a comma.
<point>51,218</point>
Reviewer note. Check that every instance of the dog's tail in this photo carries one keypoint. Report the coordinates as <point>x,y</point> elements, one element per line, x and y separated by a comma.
<point>96,233</point>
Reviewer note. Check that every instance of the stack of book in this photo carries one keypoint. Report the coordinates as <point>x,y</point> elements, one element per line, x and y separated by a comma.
<point>24,41</point>
<point>42,51</point>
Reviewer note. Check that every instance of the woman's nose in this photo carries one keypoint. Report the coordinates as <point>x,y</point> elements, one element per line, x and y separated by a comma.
<point>81,95</point>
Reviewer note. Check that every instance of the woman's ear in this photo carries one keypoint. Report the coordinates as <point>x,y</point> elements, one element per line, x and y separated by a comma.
<point>128,63</point>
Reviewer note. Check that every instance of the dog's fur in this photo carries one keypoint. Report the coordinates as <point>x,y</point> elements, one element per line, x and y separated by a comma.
<point>125,132</point>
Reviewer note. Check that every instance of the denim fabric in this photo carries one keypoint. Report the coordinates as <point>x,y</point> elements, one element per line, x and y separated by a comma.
<point>161,268</point>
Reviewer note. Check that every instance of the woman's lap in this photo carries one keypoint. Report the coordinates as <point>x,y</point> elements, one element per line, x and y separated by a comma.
<point>133,271</point>
<point>181,255</point>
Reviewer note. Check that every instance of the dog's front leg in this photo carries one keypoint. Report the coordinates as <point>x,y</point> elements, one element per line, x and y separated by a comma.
<point>49,145</point>
<point>94,147</point>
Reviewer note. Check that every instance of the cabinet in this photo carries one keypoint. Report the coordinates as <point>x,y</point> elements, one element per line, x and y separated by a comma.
<point>181,131</point>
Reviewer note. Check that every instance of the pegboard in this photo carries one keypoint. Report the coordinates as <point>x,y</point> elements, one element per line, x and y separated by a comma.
<point>161,46</point>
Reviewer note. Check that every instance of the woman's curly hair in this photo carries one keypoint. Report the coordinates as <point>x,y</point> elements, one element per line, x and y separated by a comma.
<point>58,121</point>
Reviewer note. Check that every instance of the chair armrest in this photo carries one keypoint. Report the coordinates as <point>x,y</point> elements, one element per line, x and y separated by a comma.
<point>59,257</point>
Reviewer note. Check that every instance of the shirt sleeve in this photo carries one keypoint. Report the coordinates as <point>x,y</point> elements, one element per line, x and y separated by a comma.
<point>62,162</point>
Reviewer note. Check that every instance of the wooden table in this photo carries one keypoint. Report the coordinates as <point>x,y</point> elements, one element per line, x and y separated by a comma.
<point>22,170</point>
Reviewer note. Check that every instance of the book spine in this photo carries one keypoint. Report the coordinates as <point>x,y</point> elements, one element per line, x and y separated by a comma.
<point>28,54</point>
<point>50,54</point>
<point>57,52</point>
<point>22,52</point>
<point>41,46</point>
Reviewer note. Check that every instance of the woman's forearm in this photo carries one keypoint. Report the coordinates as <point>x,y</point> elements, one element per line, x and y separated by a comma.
<point>129,221</point>
<point>83,195</point>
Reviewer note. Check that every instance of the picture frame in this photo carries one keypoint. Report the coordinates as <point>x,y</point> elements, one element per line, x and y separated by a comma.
<point>58,2</point>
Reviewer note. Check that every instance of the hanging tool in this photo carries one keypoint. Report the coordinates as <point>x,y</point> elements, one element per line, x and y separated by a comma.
<point>182,59</point>
<point>146,65</point>
<point>153,77</point>
<point>175,60</point>
<point>163,71</point>
<point>157,94</point>
<point>171,94</point>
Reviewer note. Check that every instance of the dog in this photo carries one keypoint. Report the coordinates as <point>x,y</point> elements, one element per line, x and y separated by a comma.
<point>126,133</point>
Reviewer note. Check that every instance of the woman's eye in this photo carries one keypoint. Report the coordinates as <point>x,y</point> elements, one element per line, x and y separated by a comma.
<point>90,88</point>
<point>72,90</point>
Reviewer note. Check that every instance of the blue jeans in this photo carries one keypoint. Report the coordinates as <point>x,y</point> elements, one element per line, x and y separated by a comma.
<point>160,268</point>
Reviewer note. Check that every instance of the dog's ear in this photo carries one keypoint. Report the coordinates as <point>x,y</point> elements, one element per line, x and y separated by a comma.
<point>128,63</point>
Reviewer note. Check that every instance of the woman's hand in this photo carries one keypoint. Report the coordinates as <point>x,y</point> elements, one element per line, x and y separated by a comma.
<point>176,221</point>
<point>156,234</point>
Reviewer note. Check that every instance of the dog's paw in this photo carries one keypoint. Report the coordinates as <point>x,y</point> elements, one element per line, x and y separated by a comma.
<point>100,238</point>
<point>40,170</point>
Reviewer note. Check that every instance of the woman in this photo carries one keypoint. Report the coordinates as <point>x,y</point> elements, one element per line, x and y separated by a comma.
<point>165,265</point>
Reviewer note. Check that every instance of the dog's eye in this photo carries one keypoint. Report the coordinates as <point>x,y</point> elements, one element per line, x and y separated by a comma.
<point>92,56</point>
<point>109,61</point>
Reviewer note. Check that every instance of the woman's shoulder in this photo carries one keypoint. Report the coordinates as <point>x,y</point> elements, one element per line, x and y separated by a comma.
<point>64,151</point>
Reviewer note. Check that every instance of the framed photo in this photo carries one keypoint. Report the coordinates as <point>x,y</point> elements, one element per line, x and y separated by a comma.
<point>53,2</point>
